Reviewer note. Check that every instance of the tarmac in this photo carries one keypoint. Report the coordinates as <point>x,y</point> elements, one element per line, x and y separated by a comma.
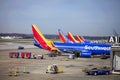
<point>36,68</point>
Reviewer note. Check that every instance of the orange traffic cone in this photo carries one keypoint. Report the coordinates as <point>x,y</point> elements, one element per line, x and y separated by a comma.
<point>17,69</point>
<point>10,71</point>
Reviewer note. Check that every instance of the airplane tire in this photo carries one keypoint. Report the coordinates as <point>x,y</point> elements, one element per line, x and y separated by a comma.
<point>77,54</point>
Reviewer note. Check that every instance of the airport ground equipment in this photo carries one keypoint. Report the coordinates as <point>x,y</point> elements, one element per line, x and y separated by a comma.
<point>20,47</point>
<point>14,54</point>
<point>98,71</point>
<point>53,69</point>
<point>20,54</point>
<point>10,71</point>
<point>71,56</point>
<point>36,56</point>
<point>26,55</point>
<point>104,56</point>
<point>54,54</point>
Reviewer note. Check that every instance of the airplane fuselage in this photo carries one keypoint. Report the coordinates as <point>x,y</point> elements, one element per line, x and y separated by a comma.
<point>84,48</point>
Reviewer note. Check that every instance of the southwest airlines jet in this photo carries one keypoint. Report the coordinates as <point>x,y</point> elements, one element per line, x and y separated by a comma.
<point>83,49</point>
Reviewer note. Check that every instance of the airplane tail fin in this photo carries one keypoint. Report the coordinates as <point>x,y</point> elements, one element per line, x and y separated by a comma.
<point>79,38</point>
<point>62,37</point>
<point>82,38</point>
<point>71,38</point>
<point>41,40</point>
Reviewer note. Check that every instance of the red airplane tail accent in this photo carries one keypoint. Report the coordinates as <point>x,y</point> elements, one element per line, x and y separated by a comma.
<point>82,38</point>
<point>41,40</point>
<point>71,38</point>
<point>62,38</point>
<point>79,38</point>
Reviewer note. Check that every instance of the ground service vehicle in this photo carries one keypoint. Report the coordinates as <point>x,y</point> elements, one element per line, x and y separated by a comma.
<point>98,71</point>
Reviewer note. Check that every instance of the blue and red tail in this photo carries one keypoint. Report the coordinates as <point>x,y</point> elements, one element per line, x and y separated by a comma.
<point>40,40</point>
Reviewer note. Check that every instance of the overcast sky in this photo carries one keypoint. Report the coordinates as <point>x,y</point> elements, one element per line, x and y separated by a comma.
<point>82,17</point>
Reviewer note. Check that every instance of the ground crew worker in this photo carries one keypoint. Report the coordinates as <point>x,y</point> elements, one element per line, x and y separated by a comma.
<point>55,68</point>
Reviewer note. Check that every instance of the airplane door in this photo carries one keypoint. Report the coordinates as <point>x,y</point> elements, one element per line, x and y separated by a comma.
<point>116,63</point>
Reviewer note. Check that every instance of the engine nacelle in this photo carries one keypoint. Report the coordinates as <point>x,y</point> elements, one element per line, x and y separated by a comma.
<point>85,54</point>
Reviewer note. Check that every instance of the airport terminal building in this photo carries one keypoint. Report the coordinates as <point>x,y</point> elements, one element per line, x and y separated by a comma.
<point>115,58</point>
<point>115,54</point>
